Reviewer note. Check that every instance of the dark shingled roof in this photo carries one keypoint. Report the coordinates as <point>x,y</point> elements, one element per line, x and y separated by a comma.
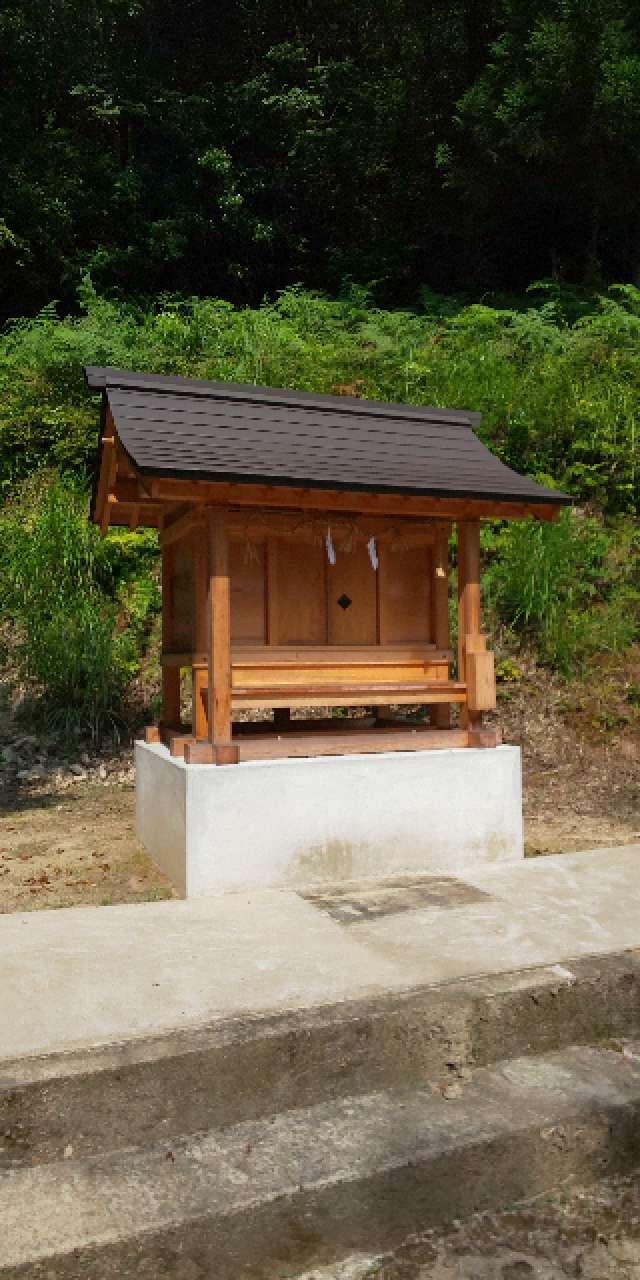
<point>196,430</point>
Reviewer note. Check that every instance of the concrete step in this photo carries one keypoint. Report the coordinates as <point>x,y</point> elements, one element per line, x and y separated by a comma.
<point>150,1090</point>
<point>266,1197</point>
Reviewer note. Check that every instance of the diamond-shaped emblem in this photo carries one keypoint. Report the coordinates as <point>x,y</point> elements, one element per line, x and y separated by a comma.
<point>344,601</point>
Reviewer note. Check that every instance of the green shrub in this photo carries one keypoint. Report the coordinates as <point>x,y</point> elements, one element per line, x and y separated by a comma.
<point>558,384</point>
<point>570,587</point>
<point>559,391</point>
<point>59,601</point>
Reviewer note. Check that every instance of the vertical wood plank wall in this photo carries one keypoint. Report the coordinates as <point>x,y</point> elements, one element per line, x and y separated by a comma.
<point>352,578</point>
<point>287,593</point>
<point>247,570</point>
<point>297,611</point>
<point>404,594</point>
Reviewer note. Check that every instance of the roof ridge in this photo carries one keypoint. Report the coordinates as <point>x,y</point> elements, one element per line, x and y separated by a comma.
<point>111,379</point>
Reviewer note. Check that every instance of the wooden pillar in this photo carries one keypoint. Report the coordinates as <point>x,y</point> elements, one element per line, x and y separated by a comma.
<point>441,712</point>
<point>170,716</point>
<point>219,648</point>
<point>200,538</point>
<point>475,664</point>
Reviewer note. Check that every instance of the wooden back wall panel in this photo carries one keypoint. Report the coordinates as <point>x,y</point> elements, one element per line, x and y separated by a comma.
<point>353,579</point>
<point>285,592</point>
<point>297,601</point>
<point>248,592</point>
<point>405,595</point>
<point>181,595</point>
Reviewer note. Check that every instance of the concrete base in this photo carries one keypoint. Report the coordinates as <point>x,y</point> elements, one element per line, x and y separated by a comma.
<point>326,820</point>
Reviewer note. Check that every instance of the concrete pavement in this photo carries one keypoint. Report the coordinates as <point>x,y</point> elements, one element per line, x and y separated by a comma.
<point>94,976</point>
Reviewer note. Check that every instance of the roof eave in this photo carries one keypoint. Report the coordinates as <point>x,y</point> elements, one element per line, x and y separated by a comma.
<point>543,497</point>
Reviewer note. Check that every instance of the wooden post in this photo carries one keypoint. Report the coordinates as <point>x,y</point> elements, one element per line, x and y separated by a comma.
<point>109,470</point>
<point>441,712</point>
<point>200,628</point>
<point>469,640</point>
<point>219,613</point>
<point>170,718</point>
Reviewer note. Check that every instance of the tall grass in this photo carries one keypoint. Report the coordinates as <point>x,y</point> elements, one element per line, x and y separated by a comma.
<point>571,588</point>
<point>61,610</point>
<point>559,389</point>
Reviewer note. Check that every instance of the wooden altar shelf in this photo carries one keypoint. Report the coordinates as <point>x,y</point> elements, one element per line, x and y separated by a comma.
<point>305,545</point>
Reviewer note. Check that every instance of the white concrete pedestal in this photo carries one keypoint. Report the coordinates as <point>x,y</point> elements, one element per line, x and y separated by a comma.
<point>329,819</point>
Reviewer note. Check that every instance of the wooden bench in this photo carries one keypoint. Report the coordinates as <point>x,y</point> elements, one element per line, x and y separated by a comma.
<point>264,677</point>
<point>283,678</point>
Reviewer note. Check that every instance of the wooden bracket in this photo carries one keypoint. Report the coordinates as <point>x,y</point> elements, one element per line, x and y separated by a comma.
<point>480,674</point>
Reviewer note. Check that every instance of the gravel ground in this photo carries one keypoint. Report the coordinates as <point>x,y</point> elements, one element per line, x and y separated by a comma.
<point>74,846</point>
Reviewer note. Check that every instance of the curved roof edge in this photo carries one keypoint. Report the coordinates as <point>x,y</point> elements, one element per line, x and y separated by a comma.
<point>190,429</point>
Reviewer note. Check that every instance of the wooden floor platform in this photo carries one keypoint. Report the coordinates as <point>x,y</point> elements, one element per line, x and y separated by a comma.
<point>261,741</point>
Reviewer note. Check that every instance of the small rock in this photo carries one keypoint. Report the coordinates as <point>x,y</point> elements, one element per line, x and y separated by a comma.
<point>35,774</point>
<point>68,1152</point>
<point>78,770</point>
<point>630,1053</point>
<point>452,1091</point>
<point>460,1071</point>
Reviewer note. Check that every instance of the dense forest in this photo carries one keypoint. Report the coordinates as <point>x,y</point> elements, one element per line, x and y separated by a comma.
<point>231,150</point>
<point>434,203</point>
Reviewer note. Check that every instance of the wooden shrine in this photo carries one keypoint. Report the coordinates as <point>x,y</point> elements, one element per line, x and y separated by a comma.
<point>305,562</point>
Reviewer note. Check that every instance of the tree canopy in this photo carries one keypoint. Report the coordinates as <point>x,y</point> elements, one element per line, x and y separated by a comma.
<point>172,145</point>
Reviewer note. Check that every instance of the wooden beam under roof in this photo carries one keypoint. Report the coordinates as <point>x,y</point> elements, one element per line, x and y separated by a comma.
<point>346,501</point>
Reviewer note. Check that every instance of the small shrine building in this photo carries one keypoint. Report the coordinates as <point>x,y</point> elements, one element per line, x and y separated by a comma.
<point>305,561</point>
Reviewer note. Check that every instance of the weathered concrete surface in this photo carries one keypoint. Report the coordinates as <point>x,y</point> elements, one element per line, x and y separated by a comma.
<point>92,976</point>
<point>540,910</point>
<point>315,821</point>
<point>316,1183</point>
<point>156,1089</point>
<point>587,1230</point>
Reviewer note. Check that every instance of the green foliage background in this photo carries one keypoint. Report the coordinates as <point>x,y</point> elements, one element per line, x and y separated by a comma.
<point>557,380</point>
<point>347,197</point>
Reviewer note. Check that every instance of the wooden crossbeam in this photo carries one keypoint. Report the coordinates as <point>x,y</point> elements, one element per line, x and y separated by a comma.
<point>181,526</point>
<point>263,496</point>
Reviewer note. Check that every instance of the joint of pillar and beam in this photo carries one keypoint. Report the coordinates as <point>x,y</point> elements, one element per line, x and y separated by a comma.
<point>182,526</point>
